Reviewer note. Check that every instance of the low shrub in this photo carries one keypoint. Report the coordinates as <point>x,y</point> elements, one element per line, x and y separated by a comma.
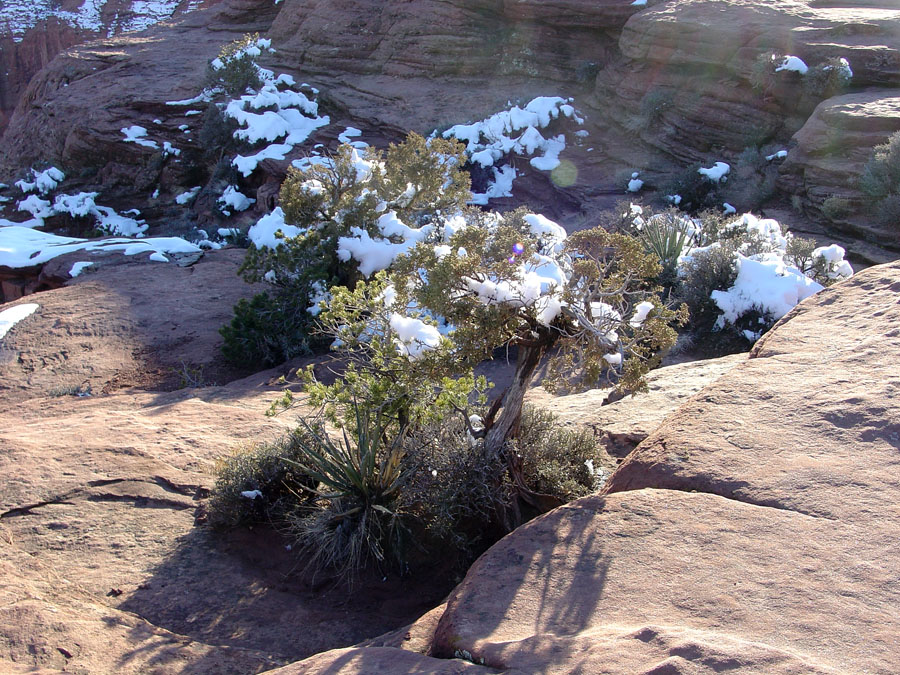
<point>235,69</point>
<point>358,512</point>
<point>762,73</point>
<point>557,461</point>
<point>260,483</point>
<point>827,79</point>
<point>384,495</point>
<point>706,271</point>
<point>880,181</point>
<point>836,208</point>
<point>666,235</point>
<point>752,179</point>
<point>696,191</point>
<point>267,330</point>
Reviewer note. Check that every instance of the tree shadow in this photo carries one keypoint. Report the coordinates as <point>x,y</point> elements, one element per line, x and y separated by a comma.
<point>547,578</point>
<point>247,596</point>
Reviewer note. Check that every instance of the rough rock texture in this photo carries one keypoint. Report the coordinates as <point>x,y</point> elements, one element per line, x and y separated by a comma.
<point>105,564</point>
<point>19,61</point>
<point>110,328</point>
<point>34,34</point>
<point>833,147</point>
<point>393,66</point>
<point>622,424</point>
<point>754,531</point>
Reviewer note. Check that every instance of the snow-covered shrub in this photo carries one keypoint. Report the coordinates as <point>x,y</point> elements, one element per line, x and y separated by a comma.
<point>696,191</point>
<point>346,216</point>
<point>828,79</point>
<point>880,181</point>
<point>217,139</point>
<point>235,69</point>
<point>750,275</point>
<point>413,332</point>
<point>820,81</point>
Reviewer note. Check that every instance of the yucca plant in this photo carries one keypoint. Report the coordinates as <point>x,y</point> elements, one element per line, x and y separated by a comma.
<point>357,516</point>
<point>666,235</point>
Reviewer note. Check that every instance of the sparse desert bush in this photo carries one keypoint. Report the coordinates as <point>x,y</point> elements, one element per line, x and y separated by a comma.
<point>235,69</point>
<point>696,191</point>
<point>706,271</point>
<point>762,73</point>
<point>752,179</point>
<point>836,208</point>
<point>880,181</point>
<point>260,483</point>
<point>216,137</point>
<point>386,495</point>
<point>828,79</point>
<point>557,461</point>
<point>820,81</point>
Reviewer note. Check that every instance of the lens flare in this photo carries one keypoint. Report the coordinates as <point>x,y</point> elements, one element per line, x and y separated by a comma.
<point>564,175</point>
<point>518,248</point>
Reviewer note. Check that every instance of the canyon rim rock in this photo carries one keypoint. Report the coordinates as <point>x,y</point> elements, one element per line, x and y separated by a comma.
<point>107,458</point>
<point>753,531</point>
<point>32,32</point>
<point>661,87</point>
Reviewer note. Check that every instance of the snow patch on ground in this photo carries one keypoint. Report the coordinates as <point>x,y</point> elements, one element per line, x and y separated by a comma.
<point>10,317</point>
<point>233,200</point>
<point>25,247</point>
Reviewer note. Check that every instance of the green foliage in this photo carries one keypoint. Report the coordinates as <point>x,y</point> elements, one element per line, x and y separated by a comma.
<point>762,73</point>
<point>706,271</point>
<point>403,401</point>
<point>265,331</point>
<point>238,70</point>
<point>697,192</point>
<point>827,79</point>
<point>836,208</point>
<point>880,181</point>
<point>666,235</point>
<point>419,179</point>
<point>216,137</point>
<point>556,461</point>
<point>751,180</point>
<point>358,518</point>
<point>270,468</point>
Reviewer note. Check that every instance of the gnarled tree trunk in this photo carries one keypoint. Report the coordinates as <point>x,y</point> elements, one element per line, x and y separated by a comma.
<point>506,423</point>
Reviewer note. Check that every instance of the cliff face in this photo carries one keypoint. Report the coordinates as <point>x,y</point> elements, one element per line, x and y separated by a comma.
<point>33,32</point>
<point>660,87</point>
